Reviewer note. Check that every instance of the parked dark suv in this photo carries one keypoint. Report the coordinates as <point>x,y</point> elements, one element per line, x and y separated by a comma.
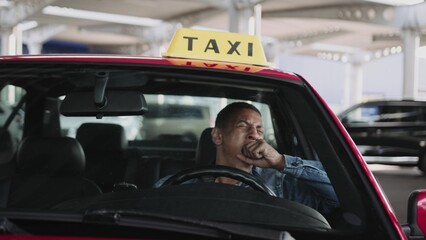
<point>389,132</point>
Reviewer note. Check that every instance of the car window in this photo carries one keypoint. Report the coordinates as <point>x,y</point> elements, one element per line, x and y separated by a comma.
<point>402,114</point>
<point>131,124</point>
<point>8,97</point>
<point>386,113</point>
<point>365,114</point>
<point>176,116</point>
<point>176,111</point>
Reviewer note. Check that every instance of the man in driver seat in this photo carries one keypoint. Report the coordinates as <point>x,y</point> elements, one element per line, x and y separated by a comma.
<point>238,136</point>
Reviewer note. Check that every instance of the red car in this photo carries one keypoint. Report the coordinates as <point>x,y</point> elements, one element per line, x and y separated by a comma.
<point>97,182</point>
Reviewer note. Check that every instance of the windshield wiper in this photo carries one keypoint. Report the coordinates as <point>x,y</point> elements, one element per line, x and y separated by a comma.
<point>181,224</point>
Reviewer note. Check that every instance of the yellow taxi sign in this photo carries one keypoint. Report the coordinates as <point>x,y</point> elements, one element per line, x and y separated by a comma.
<point>216,46</point>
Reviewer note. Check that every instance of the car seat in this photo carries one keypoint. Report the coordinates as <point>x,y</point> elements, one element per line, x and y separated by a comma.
<point>7,146</point>
<point>206,149</point>
<point>7,153</point>
<point>49,171</point>
<point>104,145</point>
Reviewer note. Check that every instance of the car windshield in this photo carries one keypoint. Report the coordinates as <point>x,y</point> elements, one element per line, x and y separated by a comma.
<point>101,139</point>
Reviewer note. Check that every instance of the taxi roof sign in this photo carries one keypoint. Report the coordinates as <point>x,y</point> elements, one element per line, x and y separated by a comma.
<point>216,46</point>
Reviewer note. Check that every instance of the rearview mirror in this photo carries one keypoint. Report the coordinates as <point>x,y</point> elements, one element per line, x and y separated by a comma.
<point>117,103</point>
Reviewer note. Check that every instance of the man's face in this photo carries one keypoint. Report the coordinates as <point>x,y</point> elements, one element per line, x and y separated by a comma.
<point>244,127</point>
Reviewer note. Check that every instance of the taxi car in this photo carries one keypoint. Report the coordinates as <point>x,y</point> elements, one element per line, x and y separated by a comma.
<point>99,184</point>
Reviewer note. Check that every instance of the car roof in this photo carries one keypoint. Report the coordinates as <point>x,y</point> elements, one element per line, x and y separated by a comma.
<point>390,102</point>
<point>394,102</point>
<point>176,62</point>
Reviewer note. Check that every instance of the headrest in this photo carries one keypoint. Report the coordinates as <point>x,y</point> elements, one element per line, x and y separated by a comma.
<point>50,156</point>
<point>102,137</point>
<point>206,149</point>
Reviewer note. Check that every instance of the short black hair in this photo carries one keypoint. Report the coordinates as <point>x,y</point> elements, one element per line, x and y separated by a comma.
<point>225,115</point>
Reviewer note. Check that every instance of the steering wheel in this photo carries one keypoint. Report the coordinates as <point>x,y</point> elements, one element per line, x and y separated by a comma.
<point>219,171</point>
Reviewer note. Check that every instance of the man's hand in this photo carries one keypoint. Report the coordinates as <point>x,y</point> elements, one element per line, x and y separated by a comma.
<point>261,154</point>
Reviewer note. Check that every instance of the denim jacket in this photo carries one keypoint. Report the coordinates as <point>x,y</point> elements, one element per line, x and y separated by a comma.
<point>302,181</point>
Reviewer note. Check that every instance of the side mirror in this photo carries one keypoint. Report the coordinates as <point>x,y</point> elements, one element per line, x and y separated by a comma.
<point>416,215</point>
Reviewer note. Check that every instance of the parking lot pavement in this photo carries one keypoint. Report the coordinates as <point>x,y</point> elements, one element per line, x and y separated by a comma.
<point>398,182</point>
